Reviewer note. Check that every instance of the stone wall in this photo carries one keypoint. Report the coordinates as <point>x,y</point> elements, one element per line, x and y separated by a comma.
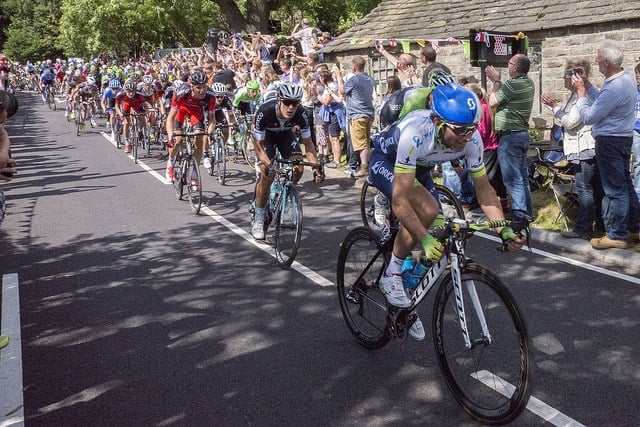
<point>548,70</point>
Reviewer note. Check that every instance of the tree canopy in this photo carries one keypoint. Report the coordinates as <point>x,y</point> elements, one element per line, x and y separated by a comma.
<point>37,29</point>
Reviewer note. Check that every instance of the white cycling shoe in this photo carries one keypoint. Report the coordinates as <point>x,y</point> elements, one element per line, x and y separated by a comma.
<point>257,229</point>
<point>393,290</point>
<point>416,331</point>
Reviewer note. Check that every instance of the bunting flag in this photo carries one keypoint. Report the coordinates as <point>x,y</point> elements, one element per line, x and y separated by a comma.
<point>392,42</point>
<point>421,43</point>
<point>435,45</point>
<point>406,46</point>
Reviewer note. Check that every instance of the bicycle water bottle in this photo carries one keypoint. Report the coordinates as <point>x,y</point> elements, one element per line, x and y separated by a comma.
<point>411,278</point>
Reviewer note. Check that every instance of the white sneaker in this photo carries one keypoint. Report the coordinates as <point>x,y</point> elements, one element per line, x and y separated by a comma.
<point>93,123</point>
<point>416,331</point>
<point>207,163</point>
<point>393,290</point>
<point>380,209</point>
<point>257,229</point>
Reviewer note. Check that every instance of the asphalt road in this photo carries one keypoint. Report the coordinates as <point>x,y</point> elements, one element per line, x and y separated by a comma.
<point>134,311</point>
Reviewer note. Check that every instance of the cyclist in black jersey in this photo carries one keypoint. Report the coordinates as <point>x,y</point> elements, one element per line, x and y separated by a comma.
<point>276,123</point>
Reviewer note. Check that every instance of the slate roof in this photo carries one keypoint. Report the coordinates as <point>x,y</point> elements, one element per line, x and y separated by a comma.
<point>439,20</point>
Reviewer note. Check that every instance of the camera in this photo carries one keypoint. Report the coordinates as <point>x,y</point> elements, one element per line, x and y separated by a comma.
<point>578,71</point>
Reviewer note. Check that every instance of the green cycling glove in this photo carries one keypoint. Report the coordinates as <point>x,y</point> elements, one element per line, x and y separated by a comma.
<point>438,223</point>
<point>507,234</point>
<point>432,248</point>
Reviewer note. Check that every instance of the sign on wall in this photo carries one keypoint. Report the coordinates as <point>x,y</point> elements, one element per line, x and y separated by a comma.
<point>495,48</point>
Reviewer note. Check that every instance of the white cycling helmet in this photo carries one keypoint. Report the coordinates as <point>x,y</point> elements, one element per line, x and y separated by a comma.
<point>219,89</point>
<point>289,92</point>
<point>148,79</point>
<point>91,81</point>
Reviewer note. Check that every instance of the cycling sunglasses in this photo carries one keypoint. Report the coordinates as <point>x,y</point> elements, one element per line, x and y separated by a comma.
<point>290,103</point>
<point>461,130</point>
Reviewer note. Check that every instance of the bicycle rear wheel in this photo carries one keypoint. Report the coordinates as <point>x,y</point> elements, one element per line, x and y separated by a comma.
<point>194,191</point>
<point>492,379</point>
<point>361,262</point>
<point>179,177</point>
<point>288,227</point>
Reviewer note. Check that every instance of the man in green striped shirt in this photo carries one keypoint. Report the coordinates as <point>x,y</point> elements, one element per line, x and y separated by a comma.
<point>513,101</point>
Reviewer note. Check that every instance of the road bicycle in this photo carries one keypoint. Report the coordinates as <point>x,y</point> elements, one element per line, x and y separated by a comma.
<point>137,137</point>
<point>82,109</point>
<point>186,172</point>
<point>49,97</point>
<point>218,154</point>
<point>284,210</point>
<point>479,334</point>
<point>244,138</point>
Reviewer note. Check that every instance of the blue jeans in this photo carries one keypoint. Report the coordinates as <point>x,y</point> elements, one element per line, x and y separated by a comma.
<point>512,156</point>
<point>635,152</point>
<point>620,206</point>
<point>459,182</point>
<point>589,189</point>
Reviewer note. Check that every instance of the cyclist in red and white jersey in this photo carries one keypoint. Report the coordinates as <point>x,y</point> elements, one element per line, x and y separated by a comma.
<point>129,101</point>
<point>191,101</point>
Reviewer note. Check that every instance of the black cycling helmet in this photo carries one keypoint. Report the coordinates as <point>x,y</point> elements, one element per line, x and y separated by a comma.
<point>289,91</point>
<point>197,77</point>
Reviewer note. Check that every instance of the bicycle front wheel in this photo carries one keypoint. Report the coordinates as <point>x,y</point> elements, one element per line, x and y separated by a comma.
<point>178,178</point>
<point>194,186</point>
<point>134,146</point>
<point>248,151</point>
<point>361,262</point>
<point>492,378</point>
<point>221,161</point>
<point>288,229</point>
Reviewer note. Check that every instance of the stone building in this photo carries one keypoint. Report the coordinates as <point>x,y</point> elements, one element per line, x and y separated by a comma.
<point>556,30</point>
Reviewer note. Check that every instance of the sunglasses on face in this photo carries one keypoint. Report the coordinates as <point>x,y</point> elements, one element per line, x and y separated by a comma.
<point>461,130</point>
<point>289,103</point>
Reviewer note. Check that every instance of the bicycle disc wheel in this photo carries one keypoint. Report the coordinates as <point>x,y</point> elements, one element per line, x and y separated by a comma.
<point>288,227</point>
<point>361,262</point>
<point>178,178</point>
<point>194,191</point>
<point>221,161</point>
<point>492,379</point>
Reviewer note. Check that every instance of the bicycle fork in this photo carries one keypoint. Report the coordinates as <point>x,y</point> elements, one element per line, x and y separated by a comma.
<point>473,294</point>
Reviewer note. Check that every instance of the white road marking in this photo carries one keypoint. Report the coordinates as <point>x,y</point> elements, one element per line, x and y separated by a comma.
<point>621,276</point>
<point>535,405</point>
<point>12,401</point>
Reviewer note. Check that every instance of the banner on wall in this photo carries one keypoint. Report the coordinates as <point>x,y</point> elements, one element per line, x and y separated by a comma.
<point>495,48</point>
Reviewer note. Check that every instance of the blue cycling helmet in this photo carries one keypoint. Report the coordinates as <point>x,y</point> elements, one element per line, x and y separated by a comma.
<point>115,83</point>
<point>456,104</point>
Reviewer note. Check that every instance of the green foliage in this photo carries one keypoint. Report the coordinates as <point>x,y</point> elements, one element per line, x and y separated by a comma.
<point>41,29</point>
<point>33,29</point>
